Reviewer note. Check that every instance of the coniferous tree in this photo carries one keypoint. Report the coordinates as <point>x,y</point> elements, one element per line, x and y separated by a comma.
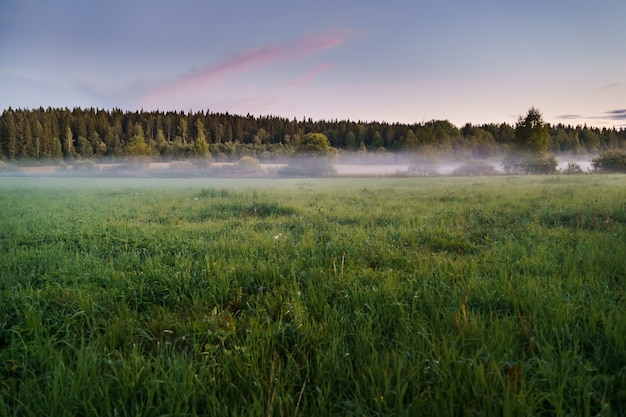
<point>85,149</point>
<point>26,147</point>
<point>40,145</point>
<point>410,140</point>
<point>161,143</point>
<point>30,134</point>
<point>182,128</point>
<point>56,151</point>
<point>8,134</point>
<point>68,144</point>
<point>200,145</point>
<point>47,136</point>
<point>137,149</point>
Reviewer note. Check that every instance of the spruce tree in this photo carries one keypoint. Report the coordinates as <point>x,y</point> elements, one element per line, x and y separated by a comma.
<point>68,144</point>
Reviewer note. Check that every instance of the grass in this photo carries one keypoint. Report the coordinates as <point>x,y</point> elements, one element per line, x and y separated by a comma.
<point>430,296</point>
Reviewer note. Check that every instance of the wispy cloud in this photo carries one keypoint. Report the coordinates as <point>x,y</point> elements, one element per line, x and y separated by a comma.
<point>616,114</point>
<point>570,116</point>
<point>245,62</point>
<point>263,56</point>
<point>312,74</point>
<point>609,86</point>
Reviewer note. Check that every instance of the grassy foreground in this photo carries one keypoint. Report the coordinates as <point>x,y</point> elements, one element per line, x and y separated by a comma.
<point>435,296</point>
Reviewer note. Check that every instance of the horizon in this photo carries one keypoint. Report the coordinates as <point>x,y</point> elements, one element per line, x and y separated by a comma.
<point>305,118</point>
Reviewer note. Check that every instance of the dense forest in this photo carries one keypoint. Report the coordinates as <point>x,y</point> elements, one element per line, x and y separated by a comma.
<point>39,135</point>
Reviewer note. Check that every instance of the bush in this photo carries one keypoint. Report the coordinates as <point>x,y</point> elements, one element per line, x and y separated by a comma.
<point>424,171</point>
<point>475,167</point>
<point>610,161</point>
<point>309,166</point>
<point>531,163</point>
<point>6,167</point>
<point>83,165</point>
<point>573,168</point>
<point>202,163</point>
<point>248,161</point>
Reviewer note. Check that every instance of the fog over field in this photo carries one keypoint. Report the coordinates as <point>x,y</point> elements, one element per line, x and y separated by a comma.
<point>346,165</point>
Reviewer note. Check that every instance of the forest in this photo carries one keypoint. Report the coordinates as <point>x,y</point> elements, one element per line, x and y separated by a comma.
<point>40,135</point>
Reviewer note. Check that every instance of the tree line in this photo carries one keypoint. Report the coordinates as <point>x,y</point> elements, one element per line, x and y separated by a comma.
<point>93,134</point>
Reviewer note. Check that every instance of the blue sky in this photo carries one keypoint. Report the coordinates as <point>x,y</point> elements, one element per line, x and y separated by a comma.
<point>403,61</point>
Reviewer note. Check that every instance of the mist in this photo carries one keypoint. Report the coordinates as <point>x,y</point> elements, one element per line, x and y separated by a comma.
<point>344,165</point>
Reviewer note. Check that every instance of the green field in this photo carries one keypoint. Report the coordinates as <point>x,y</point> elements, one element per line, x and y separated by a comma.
<point>442,296</point>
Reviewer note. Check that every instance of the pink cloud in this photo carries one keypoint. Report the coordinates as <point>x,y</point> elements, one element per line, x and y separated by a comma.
<point>313,73</point>
<point>245,62</point>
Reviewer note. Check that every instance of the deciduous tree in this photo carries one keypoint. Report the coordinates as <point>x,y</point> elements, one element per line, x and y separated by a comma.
<point>529,153</point>
<point>314,156</point>
<point>315,144</point>
<point>610,161</point>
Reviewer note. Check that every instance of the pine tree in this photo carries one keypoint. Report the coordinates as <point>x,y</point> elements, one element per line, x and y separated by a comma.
<point>9,135</point>
<point>200,145</point>
<point>137,149</point>
<point>25,141</point>
<point>39,141</point>
<point>161,143</point>
<point>68,144</point>
<point>182,129</point>
<point>56,148</point>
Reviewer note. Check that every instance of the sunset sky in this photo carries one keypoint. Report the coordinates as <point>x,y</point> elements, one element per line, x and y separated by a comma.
<point>402,61</point>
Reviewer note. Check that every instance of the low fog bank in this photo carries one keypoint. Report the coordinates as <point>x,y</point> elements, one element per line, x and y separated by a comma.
<point>422,165</point>
<point>344,165</point>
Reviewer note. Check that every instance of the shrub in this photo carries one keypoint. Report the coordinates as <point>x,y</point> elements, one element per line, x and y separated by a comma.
<point>248,161</point>
<point>6,167</point>
<point>573,168</point>
<point>610,161</point>
<point>202,163</point>
<point>84,164</point>
<point>530,163</point>
<point>475,167</point>
<point>309,166</point>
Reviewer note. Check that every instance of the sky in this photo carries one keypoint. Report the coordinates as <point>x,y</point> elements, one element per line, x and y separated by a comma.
<point>405,61</point>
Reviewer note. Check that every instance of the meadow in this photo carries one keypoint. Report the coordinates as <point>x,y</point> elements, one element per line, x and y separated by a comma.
<point>351,297</point>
